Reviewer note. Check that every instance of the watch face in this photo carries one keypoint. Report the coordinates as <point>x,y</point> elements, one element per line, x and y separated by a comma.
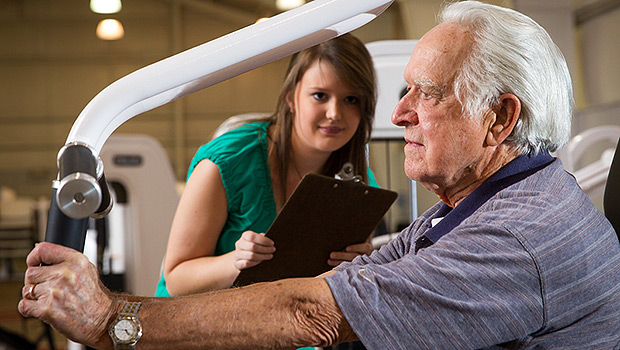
<point>125,330</point>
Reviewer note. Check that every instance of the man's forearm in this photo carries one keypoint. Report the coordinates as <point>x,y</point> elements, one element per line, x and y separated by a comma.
<point>284,314</point>
<point>62,288</point>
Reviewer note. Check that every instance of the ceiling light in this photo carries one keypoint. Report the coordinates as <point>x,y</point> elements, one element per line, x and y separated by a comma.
<point>110,29</point>
<point>288,4</point>
<point>105,6</point>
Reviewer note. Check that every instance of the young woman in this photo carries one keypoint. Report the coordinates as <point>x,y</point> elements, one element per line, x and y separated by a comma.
<point>239,181</point>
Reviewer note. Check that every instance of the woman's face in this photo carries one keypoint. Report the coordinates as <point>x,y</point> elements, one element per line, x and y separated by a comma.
<point>326,111</point>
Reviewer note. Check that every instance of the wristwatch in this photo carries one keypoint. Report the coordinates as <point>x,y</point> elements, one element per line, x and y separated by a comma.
<point>126,330</point>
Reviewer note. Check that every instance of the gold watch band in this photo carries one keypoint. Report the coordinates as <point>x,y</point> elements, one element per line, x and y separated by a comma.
<point>125,347</point>
<point>130,309</point>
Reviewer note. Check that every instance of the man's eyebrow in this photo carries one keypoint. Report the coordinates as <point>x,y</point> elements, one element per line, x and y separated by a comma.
<point>430,86</point>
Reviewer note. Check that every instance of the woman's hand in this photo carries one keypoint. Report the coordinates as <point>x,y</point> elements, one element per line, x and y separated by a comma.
<point>349,253</point>
<point>62,288</point>
<point>252,249</point>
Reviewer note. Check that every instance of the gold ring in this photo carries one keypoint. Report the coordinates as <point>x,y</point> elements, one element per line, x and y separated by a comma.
<point>30,293</point>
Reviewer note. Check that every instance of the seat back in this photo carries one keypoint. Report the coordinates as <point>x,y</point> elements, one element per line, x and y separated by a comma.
<point>574,150</point>
<point>611,198</point>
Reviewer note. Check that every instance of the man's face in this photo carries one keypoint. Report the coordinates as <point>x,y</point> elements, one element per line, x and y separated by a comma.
<point>443,145</point>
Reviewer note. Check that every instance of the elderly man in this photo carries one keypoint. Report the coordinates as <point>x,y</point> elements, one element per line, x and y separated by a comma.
<point>514,255</point>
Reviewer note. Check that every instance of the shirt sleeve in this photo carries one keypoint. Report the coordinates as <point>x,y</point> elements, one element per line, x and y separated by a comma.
<point>240,156</point>
<point>372,180</point>
<point>470,293</point>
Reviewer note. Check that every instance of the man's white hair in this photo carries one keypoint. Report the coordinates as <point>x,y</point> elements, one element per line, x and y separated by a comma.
<point>513,54</point>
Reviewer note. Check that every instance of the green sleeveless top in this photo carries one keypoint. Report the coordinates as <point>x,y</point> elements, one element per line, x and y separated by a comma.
<point>241,156</point>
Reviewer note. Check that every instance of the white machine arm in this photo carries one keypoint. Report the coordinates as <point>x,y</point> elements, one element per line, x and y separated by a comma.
<point>80,186</point>
<point>218,60</point>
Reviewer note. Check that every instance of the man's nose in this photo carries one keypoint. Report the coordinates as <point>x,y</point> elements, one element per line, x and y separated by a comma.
<point>404,113</point>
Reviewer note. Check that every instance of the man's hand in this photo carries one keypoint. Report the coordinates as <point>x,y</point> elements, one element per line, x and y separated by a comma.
<point>62,288</point>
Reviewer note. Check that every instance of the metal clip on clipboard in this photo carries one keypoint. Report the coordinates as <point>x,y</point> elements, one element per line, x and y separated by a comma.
<point>347,174</point>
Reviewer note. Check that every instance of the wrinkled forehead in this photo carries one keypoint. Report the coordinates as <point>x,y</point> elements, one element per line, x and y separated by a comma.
<point>439,54</point>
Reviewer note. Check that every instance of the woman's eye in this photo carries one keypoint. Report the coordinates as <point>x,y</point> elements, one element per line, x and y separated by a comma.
<point>352,100</point>
<point>319,96</point>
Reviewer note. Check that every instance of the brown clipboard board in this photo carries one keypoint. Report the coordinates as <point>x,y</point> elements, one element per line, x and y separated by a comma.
<point>322,215</point>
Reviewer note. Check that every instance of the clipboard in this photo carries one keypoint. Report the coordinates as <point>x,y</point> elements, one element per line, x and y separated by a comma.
<point>322,215</point>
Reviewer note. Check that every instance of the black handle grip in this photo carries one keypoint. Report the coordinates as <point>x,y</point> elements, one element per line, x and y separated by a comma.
<point>64,230</point>
<point>106,199</point>
<point>78,193</point>
<point>77,158</point>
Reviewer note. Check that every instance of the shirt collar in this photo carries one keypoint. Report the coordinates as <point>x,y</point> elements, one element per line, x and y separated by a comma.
<point>511,173</point>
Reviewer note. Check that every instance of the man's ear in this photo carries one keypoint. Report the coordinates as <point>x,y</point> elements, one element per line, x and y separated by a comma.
<point>506,116</point>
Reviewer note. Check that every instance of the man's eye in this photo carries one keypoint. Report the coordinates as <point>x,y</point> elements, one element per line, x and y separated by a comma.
<point>425,95</point>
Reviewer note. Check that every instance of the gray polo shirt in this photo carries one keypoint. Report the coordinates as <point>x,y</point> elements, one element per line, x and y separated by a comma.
<point>536,265</point>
